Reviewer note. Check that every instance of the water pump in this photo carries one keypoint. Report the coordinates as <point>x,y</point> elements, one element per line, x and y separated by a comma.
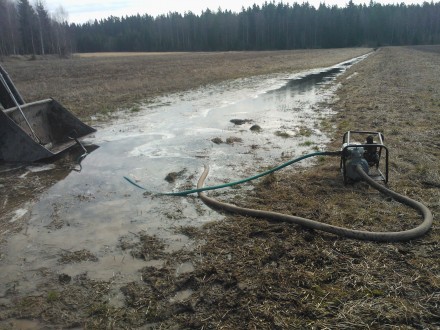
<point>368,154</point>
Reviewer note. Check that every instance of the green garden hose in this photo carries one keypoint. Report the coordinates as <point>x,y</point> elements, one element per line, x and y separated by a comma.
<point>230,184</point>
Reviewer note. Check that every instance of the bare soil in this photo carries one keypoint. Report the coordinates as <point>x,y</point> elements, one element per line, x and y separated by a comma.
<point>249,273</point>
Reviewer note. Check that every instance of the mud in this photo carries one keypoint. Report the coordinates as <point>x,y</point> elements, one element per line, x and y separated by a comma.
<point>242,271</point>
<point>163,147</point>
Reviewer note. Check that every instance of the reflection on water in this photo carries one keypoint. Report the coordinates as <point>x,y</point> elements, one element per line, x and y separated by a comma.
<point>94,208</point>
<point>22,182</point>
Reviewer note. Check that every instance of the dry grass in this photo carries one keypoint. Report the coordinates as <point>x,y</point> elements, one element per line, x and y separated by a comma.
<point>254,274</point>
<point>269,275</point>
<point>77,256</point>
<point>90,84</point>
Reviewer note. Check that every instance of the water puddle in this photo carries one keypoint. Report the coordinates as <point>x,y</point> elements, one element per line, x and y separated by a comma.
<point>92,209</point>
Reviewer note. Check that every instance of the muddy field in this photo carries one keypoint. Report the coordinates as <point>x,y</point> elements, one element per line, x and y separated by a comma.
<point>248,273</point>
<point>100,83</point>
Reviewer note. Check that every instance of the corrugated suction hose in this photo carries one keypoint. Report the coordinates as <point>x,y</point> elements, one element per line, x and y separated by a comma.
<point>345,232</point>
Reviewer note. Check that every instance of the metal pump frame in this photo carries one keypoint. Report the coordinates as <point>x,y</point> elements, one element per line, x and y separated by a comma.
<point>349,142</point>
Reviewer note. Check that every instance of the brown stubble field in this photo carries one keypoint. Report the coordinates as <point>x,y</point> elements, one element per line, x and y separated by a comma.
<point>100,83</point>
<point>251,273</point>
<point>97,84</point>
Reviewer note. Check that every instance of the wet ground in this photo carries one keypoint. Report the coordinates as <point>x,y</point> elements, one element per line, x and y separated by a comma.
<point>238,127</point>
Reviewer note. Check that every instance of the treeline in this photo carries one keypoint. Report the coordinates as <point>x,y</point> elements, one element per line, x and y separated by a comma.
<point>271,26</point>
<point>27,29</point>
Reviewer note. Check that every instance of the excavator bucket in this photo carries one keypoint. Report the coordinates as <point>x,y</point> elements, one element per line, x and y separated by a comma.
<point>37,130</point>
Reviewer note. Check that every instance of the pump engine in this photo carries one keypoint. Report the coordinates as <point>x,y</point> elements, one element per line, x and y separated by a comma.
<point>367,154</point>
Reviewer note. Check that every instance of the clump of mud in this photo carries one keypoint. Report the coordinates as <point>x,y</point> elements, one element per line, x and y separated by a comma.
<point>229,140</point>
<point>143,246</point>
<point>173,176</point>
<point>256,128</point>
<point>77,256</point>
<point>241,121</point>
<point>282,134</point>
<point>217,140</point>
<point>233,139</point>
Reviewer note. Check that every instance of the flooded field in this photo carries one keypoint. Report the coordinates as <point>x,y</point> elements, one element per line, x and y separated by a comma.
<point>238,127</point>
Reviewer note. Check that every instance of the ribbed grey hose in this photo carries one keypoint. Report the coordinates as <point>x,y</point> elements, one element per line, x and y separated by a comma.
<point>345,232</point>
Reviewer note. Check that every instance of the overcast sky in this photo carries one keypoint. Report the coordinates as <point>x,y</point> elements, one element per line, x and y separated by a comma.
<point>81,11</point>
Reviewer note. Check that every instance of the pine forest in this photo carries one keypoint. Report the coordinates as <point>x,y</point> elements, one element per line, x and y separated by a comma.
<point>31,29</point>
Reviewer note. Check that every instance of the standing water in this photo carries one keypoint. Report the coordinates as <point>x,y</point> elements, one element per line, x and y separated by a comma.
<point>238,127</point>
